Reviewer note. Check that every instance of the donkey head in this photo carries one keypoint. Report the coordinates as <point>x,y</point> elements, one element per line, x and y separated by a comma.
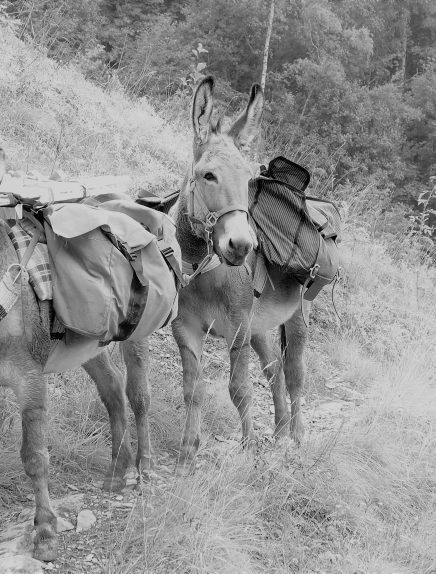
<point>220,174</point>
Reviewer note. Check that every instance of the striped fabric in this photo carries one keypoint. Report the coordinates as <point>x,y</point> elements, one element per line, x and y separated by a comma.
<point>38,267</point>
<point>290,227</point>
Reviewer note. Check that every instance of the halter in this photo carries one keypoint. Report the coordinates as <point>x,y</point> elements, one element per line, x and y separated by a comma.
<point>207,224</point>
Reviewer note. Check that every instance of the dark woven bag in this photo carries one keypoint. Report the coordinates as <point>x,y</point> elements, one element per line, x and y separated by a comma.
<point>296,233</point>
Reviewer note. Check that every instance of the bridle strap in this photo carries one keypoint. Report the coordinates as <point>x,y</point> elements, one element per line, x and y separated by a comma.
<point>211,217</point>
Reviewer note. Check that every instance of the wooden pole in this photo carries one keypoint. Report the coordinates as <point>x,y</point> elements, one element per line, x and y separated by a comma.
<point>267,42</point>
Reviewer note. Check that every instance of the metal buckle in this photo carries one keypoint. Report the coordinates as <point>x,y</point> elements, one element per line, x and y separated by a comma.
<point>314,270</point>
<point>210,220</point>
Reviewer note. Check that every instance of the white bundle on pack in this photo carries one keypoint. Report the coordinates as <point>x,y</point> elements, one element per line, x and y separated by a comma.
<point>38,192</point>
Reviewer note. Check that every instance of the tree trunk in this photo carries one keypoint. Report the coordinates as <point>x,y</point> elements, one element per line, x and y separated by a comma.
<point>404,31</point>
<point>267,42</point>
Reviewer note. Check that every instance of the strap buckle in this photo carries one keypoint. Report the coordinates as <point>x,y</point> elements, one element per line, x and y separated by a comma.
<point>314,270</point>
<point>210,220</point>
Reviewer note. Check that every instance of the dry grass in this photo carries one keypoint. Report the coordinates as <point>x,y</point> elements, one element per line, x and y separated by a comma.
<point>358,499</point>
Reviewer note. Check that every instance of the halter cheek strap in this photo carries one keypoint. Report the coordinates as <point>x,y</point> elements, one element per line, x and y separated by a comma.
<point>210,217</point>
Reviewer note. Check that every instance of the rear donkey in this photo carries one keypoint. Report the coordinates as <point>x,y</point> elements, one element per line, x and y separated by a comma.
<point>23,373</point>
<point>220,300</point>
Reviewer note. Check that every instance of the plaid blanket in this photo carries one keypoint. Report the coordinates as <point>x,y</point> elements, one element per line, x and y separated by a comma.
<point>38,267</point>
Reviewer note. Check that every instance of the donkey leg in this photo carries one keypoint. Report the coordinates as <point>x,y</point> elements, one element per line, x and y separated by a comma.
<point>293,337</point>
<point>33,401</point>
<point>240,388</point>
<point>271,364</point>
<point>190,339</point>
<point>136,357</point>
<point>110,386</point>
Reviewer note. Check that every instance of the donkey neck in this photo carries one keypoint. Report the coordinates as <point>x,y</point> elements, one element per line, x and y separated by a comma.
<point>194,248</point>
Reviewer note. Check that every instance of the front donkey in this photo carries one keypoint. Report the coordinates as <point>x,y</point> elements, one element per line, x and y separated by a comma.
<point>213,213</point>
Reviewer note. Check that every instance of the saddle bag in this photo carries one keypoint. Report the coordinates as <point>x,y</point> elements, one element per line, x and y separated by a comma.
<point>297,233</point>
<point>115,268</point>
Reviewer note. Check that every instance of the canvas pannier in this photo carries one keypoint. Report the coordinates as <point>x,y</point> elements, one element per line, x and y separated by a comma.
<point>114,268</point>
<point>296,233</point>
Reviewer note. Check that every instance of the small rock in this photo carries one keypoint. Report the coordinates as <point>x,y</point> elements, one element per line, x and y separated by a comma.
<point>117,504</point>
<point>64,525</point>
<point>85,520</point>
<point>20,565</point>
<point>72,487</point>
<point>67,505</point>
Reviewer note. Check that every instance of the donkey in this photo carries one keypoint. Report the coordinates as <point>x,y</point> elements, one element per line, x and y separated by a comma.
<point>212,211</point>
<point>22,372</point>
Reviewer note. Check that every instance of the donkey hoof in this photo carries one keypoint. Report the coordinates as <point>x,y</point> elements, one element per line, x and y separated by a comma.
<point>46,545</point>
<point>113,483</point>
<point>131,476</point>
<point>145,464</point>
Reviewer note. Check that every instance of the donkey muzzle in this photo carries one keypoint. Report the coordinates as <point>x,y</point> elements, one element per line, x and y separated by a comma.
<point>236,241</point>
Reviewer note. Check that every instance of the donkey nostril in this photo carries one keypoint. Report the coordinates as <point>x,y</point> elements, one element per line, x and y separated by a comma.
<point>240,246</point>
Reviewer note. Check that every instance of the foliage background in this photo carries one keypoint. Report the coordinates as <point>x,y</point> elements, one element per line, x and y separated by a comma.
<point>351,90</point>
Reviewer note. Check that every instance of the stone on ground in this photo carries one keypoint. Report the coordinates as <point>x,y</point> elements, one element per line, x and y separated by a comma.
<point>85,520</point>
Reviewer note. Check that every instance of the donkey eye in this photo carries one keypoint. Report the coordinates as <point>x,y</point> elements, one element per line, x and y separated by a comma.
<point>209,176</point>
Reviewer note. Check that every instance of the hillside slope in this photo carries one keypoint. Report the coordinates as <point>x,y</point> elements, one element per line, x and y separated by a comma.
<point>358,497</point>
<point>51,118</point>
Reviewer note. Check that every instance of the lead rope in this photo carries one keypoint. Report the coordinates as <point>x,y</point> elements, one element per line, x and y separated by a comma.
<point>336,279</point>
<point>206,260</point>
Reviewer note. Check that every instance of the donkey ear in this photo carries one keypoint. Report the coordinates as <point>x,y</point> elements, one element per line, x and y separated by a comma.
<point>202,107</point>
<point>247,126</point>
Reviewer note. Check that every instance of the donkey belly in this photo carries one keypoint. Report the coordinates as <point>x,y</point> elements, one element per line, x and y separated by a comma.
<point>276,306</point>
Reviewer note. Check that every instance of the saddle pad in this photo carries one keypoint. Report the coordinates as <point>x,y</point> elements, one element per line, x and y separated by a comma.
<point>39,266</point>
